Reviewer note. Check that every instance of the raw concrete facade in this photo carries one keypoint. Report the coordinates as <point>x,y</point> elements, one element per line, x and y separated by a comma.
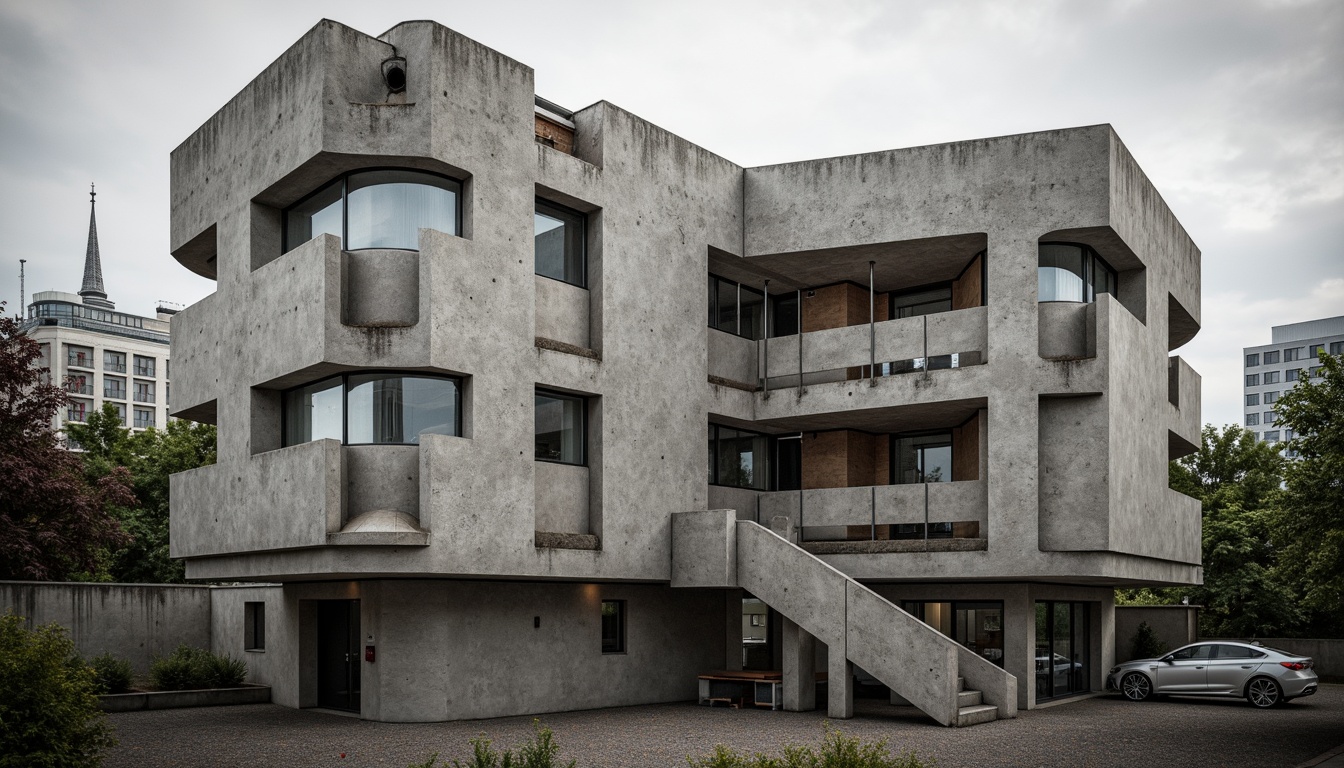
<point>468,556</point>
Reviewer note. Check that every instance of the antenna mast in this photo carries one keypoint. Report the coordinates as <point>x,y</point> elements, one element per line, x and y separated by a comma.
<point>23,292</point>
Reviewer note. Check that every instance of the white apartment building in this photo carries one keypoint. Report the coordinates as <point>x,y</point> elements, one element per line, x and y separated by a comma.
<point>1274,368</point>
<point>102,355</point>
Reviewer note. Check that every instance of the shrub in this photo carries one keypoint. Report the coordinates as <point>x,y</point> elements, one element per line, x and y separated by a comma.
<point>112,675</point>
<point>837,751</point>
<point>540,752</point>
<point>49,712</point>
<point>189,668</point>
<point>1145,643</point>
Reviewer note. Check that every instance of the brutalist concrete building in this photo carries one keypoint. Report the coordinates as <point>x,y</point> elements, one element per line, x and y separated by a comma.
<point>526,410</point>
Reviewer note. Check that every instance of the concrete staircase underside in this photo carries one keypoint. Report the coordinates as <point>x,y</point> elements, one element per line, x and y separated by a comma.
<point>857,625</point>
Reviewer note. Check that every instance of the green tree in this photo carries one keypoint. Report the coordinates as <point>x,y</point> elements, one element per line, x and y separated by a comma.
<point>1309,526</point>
<point>150,457</point>
<point>54,521</point>
<point>1237,480</point>
<point>49,713</point>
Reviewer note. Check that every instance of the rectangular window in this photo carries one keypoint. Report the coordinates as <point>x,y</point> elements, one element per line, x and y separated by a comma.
<point>613,626</point>
<point>144,418</point>
<point>1294,353</point>
<point>1315,350</point>
<point>1316,371</point>
<point>1272,357</point>
<point>1252,379</point>
<point>559,235</point>
<point>1253,399</point>
<point>144,366</point>
<point>79,356</point>
<point>144,391</point>
<point>114,387</point>
<point>76,410</point>
<point>254,626</point>
<point>121,411</point>
<point>1337,347</point>
<point>1271,398</point>
<point>784,314</point>
<point>1292,374</point>
<point>1252,419</point>
<point>114,361</point>
<point>1271,417</point>
<point>923,301</point>
<point>925,458</point>
<point>1253,360</point>
<point>79,385</point>
<point>560,427</point>
<point>373,408</point>
<point>738,309</point>
<point>739,458</point>
<point>1271,377</point>
<point>1272,436</point>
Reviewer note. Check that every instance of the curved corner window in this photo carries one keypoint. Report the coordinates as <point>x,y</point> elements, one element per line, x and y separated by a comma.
<point>1072,272</point>
<point>373,409</point>
<point>376,209</point>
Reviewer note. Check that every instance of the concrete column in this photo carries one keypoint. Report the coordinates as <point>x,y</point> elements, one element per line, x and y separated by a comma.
<point>800,675</point>
<point>839,685</point>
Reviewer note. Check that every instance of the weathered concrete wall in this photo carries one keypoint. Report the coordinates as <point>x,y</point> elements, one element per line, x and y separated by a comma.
<point>135,622</point>
<point>1173,625</point>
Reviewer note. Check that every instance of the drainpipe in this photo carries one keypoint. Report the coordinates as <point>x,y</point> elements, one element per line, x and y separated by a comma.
<point>800,343</point>
<point>765,342</point>
<point>872,327</point>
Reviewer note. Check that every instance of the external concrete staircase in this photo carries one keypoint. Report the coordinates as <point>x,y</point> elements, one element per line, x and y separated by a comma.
<point>858,626</point>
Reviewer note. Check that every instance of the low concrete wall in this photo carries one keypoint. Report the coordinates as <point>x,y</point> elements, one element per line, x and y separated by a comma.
<point>1327,655</point>
<point>205,697</point>
<point>1174,625</point>
<point>134,622</point>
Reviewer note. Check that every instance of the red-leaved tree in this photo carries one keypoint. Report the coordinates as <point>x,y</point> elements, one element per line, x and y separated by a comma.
<point>53,522</point>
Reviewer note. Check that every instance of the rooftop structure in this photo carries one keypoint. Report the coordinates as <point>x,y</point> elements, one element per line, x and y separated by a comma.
<point>910,412</point>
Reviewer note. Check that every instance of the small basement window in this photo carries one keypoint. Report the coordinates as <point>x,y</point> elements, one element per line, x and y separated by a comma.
<point>254,626</point>
<point>613,626</point>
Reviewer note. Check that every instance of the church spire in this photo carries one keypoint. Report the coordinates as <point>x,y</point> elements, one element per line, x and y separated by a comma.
<point>92,290</point>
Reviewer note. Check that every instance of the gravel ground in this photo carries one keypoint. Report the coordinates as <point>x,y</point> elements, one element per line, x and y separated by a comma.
<point>1101,731</point>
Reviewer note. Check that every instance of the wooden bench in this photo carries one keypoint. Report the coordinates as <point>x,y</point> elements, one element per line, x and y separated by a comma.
<point>739,688</point>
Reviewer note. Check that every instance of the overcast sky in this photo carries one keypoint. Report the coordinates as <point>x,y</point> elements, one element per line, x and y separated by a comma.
<point>1235,110</point>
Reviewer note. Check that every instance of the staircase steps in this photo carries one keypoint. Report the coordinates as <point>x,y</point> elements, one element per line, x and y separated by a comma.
<point>980,713</point>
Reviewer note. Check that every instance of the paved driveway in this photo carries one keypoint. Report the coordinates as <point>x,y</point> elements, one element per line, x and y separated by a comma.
<point>1103,731</point>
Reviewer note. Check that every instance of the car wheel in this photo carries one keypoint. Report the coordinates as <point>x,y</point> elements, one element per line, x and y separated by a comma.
<point>1136,686</point>
<point>1264,693</point>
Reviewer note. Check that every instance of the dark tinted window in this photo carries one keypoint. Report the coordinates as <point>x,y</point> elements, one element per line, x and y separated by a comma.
<point>613,626</point>
<point>1238,652</point>
<point>559,235</point>
<point>1193,652</point>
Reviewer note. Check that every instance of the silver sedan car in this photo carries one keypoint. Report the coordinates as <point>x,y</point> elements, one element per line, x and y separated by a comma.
<point>1265,677</point>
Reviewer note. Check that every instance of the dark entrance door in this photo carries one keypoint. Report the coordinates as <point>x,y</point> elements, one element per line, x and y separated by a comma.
<point>338,662</point>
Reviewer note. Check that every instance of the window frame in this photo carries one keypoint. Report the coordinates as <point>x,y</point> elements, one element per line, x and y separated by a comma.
<point>1090,259</point>
<point>771,474</point>
<point>712,307</point>
<point>344,179</point>
<point>621,645</point>
<point>583,425</point>
<point>344,376</point>
<point>1252,379</point>
<point>583,241</point>
<point>1276,354</point>
<point>1253,360</point>
<point>893,455</point>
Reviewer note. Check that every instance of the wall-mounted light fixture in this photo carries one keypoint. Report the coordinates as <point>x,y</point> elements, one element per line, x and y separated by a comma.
<point>394,73</point>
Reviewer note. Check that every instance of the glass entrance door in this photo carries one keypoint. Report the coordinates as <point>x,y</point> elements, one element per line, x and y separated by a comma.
<point>1063,665</point>
<point>976,625</point>
<point>338,660</point>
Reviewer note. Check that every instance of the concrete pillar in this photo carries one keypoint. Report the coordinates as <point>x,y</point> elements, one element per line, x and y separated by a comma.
<point>800,674</point>
<point>839,685</point>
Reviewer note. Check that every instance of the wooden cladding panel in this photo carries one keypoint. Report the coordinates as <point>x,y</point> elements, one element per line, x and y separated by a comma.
<point>968,290</point>
<point>966,450</point>
<point>554,135</point>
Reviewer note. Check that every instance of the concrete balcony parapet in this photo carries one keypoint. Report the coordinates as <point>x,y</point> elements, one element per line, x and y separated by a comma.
<point>964,501</point>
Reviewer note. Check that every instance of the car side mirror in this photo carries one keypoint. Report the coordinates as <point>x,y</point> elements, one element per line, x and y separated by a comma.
<point>1167,659</point>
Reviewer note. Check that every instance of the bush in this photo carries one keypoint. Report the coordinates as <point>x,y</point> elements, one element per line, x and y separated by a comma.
<point>112,675</point>
<point>190,668</point>
<point>1145,643</point>
<point>540,752</point>
<point>48,700</point>
<point>837,751</point>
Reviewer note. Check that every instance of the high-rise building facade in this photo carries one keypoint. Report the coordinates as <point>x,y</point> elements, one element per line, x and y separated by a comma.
<point>99,354</point>
<point>902,416</point>
<point>1272,369</point>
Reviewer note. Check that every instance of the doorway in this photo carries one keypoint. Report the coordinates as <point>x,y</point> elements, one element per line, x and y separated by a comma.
<point>338,659</point>
<point>1063,664</point>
